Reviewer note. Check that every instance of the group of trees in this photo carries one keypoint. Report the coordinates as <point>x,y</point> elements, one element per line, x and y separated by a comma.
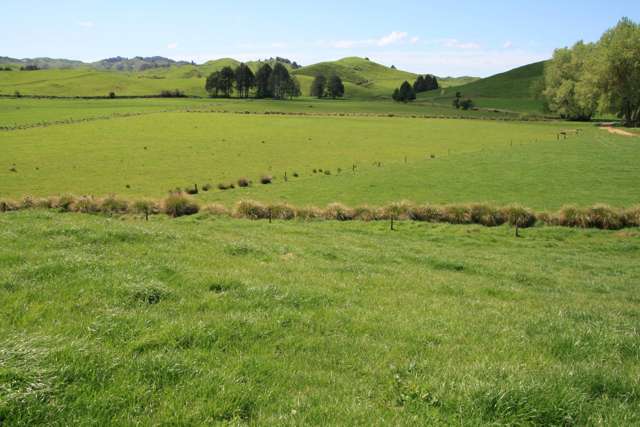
<point>29,68</point>
<point>332,87</point>
<point>426,83</point>
<point>268,82</point>
<point>597,77</point>
<point>6,69</point>
<point>404,93</point>
<point>462,103</point>
<point>407,92</point>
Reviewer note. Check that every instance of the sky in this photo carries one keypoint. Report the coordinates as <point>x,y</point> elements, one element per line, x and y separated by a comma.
<point>446,38</point>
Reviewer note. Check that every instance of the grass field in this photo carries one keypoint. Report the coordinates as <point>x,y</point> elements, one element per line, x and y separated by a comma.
<point>109,321</point>
<point>446,160</point>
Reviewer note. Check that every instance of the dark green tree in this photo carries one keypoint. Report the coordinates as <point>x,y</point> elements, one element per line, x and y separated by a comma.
<point>212,85</point>
<point>245,80</point>
<point>319,86</point>
<point>263,78</point>
<point>457,100</point>
<point>292,89</point>
<point>335,87</point>
<point>279,81</point>
<point>227,77</point>
<point>406,92</point>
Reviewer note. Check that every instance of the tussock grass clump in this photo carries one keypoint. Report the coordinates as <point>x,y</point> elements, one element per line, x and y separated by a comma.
<point>486,215</point>
<point>206,187</point>
<point>148,293</point>
<point>226,186</point>
<point>519,216</point>
<point>192,190</point>
<point>545,218</point>
<point>178,204</point>
<point>266,179</point>
<point>365,213</point>
<point>8,205</point>
<point>65,202</point>
<point>113,205</point>
<point>339,212</point>
<point>572,216</point>
<point>400,210</point>
<point>632,216</point>
<point>429,213</point>
<point>309,213</point>
<point>244,182</point>
<point>605,217</point>
<point>86,204</point>
<point>250,209</point>
<point>456,214</point>
<point>145,207</point>
<point>216,209</point>
<point>27,202</point>
<point>281,211</point>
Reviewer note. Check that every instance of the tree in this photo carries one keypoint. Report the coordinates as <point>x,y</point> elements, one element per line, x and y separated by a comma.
<point>456,100</point>
<point>292,87</point>
<point>212,85</point>
<point>263,78</point>
<point>245,80</point>
<point>396,95</point>
<point>425,83</point>
<point>319,86</point>
<point>406,93</point>
<point>466,104</point>
<point>227,77</point>
<point>279,81</point>
<point>335,87</point>
<point>617,62</point>
<point>569,91</point>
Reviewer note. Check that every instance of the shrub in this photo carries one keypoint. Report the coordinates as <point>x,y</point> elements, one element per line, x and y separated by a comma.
<point>632,216</point>
<point>192,191</point>
<point>338,212</point>
<point>206,187</point>
<point>486,215</point>
<point>250,209</point>
<point>216,209</point>
<point>309,213</point>
<point>572,216</point>
<point>519,216</point>
<point>86,204</point>
<point>27,203</point>
<point>178,204</point>
<point>296,175</point>
<point>281,211</point>
<point>605,218</point>
<point>545,218</point>
<point>327,172</point>
<point>456,214</point>
<point>113,205</point>
<point>244,182</point>
<point>266,179</point>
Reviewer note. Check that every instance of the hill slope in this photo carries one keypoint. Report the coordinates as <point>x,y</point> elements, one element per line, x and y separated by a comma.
<point>514,90</point>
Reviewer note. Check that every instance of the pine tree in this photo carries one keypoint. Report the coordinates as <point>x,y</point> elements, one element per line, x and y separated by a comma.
<point>319,86</point>
<point>263,78</point>
<point>335,87</point>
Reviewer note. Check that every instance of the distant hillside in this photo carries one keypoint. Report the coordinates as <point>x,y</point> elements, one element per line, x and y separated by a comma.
<point>42,63</point>
<point>514,90</point>
<point>135,64</point>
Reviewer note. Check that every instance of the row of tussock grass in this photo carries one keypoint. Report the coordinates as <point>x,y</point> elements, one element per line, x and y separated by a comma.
<point>599,216</point>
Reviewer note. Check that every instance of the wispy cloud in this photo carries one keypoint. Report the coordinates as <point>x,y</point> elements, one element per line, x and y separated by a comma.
<point>457,44</point>
<point>507,45</point>
<point>395,37</point>
<point>86,24</point>
<point>173,45</point>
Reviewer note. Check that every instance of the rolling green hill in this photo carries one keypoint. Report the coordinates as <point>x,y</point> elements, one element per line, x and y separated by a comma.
<point>514,90</point>
<point>363,79</point>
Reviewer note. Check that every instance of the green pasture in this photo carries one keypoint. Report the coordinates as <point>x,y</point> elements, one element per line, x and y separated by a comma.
<point>446,160</point>
<point>205,321</point>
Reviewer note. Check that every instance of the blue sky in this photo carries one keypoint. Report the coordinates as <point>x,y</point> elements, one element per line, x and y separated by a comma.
<point>445,37</point>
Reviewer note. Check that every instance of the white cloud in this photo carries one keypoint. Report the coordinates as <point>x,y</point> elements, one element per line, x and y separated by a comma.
<point>394,37</point>
<point>414,40</point>
<point>457,44</point>
<point>173,45</point>
<point>86,24</point>
<point>507,45</point>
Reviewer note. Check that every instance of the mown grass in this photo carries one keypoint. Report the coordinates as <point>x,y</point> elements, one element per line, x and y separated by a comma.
<point>151,154</point>
<point>196,320</point>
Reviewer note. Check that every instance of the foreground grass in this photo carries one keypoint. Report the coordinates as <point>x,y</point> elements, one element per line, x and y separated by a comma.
<point>121,321</point>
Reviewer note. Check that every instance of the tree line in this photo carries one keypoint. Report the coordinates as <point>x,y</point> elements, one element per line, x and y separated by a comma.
<point>601,77</point>
<point>268,82</point>
<point>322,87</point>
<point>407,92</point>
